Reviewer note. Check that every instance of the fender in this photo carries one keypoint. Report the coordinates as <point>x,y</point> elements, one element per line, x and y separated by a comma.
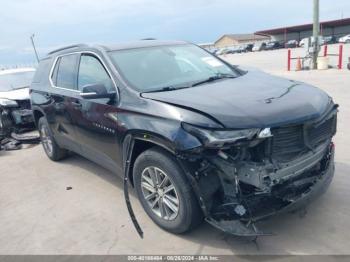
<point>37,109</point>
<point>148,137</point>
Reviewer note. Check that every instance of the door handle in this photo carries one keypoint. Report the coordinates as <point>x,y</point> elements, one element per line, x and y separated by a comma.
<point>77,104</point>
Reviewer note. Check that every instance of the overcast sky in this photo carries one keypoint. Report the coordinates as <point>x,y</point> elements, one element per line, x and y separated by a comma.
<point>62,22</point>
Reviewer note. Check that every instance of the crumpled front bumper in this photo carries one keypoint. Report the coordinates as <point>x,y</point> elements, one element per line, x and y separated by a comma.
<point>246,227</point>
<point>313,192</point>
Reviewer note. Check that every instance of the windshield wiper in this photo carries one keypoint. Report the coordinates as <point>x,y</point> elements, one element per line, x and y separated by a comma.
<point>213,78</point>
<point>209,79</point>
<point>167,88</point>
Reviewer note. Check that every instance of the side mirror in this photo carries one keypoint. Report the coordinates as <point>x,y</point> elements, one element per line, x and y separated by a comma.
<point>95,91</point>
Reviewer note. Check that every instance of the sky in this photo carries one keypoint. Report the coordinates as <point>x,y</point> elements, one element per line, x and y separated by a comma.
<point>56,23</point>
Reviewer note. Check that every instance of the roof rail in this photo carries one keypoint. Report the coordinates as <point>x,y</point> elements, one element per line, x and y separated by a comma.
<point>149,38</point>
<point>66,47</point>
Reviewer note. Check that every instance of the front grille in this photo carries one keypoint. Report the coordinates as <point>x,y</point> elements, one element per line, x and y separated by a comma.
<point>287,140</point>
<point>290,141</point>
<point>319,133</point>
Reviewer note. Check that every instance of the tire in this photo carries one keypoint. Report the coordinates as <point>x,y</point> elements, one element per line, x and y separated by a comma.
<point>188,215</point>
<point>52,150</point>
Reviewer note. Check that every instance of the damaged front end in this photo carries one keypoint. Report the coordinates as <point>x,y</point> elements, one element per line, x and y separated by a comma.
<point>247,175</point>
<point>16,119</point>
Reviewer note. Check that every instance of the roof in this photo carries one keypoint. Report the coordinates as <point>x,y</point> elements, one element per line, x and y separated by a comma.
<point>117,46</point>
<point>245,37</point>
<point>304,27</point>
<point>141,43</point>
<point>16,70</point>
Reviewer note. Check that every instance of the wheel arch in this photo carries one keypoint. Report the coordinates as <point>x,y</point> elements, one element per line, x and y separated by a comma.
<point>37,114</point>
<point>142,142</point>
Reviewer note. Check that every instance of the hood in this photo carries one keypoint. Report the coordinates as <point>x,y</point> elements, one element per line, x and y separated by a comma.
<point>255,99</point>
<point>18,94</point>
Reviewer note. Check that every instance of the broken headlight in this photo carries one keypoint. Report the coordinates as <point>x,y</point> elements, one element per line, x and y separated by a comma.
<point>8,103</point>
<point>217,138</point>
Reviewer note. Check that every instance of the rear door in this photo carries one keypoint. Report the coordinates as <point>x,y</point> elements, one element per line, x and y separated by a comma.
<point>95,125</point>
<point>63,95</point>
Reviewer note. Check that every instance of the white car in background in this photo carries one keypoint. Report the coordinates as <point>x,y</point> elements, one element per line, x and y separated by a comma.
<point>304,41</point>
<point>15,109</point>
<point>344,39</point>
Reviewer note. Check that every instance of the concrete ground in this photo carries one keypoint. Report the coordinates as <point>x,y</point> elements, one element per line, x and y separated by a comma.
<point>38,215</point>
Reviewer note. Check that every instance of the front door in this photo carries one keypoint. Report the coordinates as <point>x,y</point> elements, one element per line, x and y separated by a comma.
<point>96,129</point>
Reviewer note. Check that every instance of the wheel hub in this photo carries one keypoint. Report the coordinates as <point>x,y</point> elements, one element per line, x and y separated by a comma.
<point>159,192</point>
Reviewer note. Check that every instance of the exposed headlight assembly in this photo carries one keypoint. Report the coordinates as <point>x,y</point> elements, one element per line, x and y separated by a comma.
<point>8,103</point>
<point>217,138</point>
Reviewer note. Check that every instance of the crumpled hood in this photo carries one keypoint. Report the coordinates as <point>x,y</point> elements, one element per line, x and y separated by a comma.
<point>18,94</point>
<point>255,99</point>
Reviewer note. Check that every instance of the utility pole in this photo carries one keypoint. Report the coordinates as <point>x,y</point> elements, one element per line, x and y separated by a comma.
<point>36,53</point>
<point>316,30</point>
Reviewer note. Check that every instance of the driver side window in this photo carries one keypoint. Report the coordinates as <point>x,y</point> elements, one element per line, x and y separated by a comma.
<point>91,72</point>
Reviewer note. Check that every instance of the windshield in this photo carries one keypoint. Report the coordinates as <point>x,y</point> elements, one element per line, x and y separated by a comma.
<point>153,68</point>
<point>17,80</point>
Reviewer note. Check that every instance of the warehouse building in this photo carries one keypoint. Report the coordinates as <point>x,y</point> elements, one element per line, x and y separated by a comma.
<point>238,39</point>
<point>337,28</point>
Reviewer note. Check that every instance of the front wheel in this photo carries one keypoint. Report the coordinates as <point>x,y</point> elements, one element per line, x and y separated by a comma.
<point>164,192</point>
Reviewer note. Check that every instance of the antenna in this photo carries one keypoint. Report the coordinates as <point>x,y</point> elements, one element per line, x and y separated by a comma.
<point>36,53</point>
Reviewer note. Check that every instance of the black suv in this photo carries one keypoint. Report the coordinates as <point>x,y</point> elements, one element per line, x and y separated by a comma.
<point>195,136</point>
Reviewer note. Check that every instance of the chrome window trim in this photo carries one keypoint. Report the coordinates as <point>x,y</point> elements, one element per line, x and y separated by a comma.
<point>81,53</point>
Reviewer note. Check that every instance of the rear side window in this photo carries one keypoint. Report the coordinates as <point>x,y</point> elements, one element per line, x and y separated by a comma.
<point>66,74</point>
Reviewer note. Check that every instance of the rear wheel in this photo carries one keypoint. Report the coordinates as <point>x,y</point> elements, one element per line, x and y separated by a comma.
<point>164,192</point>
<point>52,150</point>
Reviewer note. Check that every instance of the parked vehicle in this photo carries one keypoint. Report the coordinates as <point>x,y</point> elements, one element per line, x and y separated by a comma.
<point>15,111</point>
<point>259,46</point>
<point>304,41</point>
<point>195,136</point>
<point>291,44</point>
<point>344,39</point>
<point>246,48</point>
<point>330,40</point>
<point>233,50</point>
<point>222,51</point>
<point>213,50</point>
<point>272,45</point>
